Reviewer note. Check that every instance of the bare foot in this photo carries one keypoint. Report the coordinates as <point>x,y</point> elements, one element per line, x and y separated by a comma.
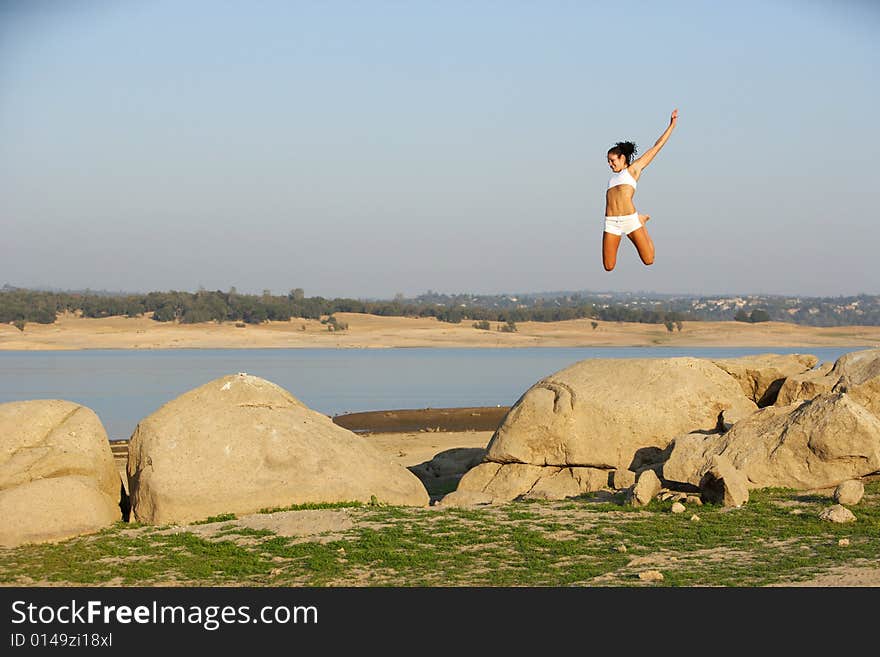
<point>644,218</point>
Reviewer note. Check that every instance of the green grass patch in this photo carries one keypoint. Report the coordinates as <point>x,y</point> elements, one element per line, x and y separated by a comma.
<point>221,518</point>
<point>575,542</point>
<point>313,505</point>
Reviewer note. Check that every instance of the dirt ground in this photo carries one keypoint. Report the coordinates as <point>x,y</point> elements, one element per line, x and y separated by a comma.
<point>369,331</point>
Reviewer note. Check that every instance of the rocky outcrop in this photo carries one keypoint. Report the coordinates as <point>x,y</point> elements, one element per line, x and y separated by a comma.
<point>815,444</point>
<point>675,416</point>
<point>603,413</point>
<point>852,369</point>
<point>761,376</point>
<point>57,474</point>
<point>240,444</point>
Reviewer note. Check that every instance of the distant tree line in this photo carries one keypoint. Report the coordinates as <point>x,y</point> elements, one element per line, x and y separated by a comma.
<point>20,305</point>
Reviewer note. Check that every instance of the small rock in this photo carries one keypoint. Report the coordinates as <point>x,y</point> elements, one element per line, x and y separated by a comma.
<point>678,507</point>
<point>622,478</point>
<point>837,513</point>
<point>621,548</point>
<point>796,512</point>
<point>666,496</point>
<point>651,576</point>
<point>693,499</point>
<point>849,492</point>
<point>647,486</point>
<point>844,542</point>
<point>695,518</point>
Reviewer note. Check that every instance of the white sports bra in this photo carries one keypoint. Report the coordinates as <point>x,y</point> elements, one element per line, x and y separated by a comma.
<point>623,177</point>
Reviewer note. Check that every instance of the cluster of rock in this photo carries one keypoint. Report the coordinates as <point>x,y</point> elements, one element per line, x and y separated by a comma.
<point>696,429</point>
<point>238,444</point>
<point>715,427</point>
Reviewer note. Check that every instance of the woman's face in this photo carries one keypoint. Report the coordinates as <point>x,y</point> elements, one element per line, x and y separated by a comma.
<point>616,162</point>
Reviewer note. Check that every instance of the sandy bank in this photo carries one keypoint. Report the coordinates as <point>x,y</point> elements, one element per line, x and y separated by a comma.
<point>369,331</point>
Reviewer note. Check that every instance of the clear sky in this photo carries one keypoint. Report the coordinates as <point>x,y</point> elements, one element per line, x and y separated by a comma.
<point>370,148</point>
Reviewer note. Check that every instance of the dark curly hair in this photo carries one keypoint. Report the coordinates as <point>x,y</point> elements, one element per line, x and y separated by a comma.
<point>625,148</point>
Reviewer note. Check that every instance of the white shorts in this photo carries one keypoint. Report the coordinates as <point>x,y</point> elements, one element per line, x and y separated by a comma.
<point>622,225</point>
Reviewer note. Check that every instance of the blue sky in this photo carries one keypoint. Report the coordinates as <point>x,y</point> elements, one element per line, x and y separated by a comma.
<point>369,148</point>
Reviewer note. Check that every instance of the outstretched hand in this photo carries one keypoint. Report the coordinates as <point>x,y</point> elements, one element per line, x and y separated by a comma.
<point>674,117</point>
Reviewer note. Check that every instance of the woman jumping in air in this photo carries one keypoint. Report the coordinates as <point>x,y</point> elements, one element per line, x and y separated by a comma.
<point>621,217</point>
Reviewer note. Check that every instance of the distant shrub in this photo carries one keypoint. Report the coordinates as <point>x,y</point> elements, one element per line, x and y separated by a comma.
<point>483,325</point>
<point>753,317</point>
<point>334,324</point>
<point>510,327</point>
<point>594,324</point>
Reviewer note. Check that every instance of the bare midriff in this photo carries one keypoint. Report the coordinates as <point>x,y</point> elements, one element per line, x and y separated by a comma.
<point>619,201</point>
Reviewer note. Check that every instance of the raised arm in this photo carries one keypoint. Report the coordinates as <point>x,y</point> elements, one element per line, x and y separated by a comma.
<point>645,158</point>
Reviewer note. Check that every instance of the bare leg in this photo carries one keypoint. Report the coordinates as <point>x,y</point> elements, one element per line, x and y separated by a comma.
<point>610,242</point>
<point>644,244</point>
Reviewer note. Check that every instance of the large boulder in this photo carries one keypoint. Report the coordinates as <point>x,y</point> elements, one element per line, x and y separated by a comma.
<point>852,369</point>
<point>569,431</point>
<point>57,474</point>
<point>604,413</point>
<point>761,376</point>
<point>815,444</point>
<point>240,444</point>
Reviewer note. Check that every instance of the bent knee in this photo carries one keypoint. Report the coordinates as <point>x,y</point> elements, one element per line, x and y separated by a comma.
<point>648,261</point>
<point>609,265</point>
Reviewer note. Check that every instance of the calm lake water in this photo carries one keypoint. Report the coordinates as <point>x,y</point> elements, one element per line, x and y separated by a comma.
<point>123,386</point>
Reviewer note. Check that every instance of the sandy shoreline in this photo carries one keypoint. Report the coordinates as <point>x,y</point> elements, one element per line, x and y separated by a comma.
<point>370,331</point>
